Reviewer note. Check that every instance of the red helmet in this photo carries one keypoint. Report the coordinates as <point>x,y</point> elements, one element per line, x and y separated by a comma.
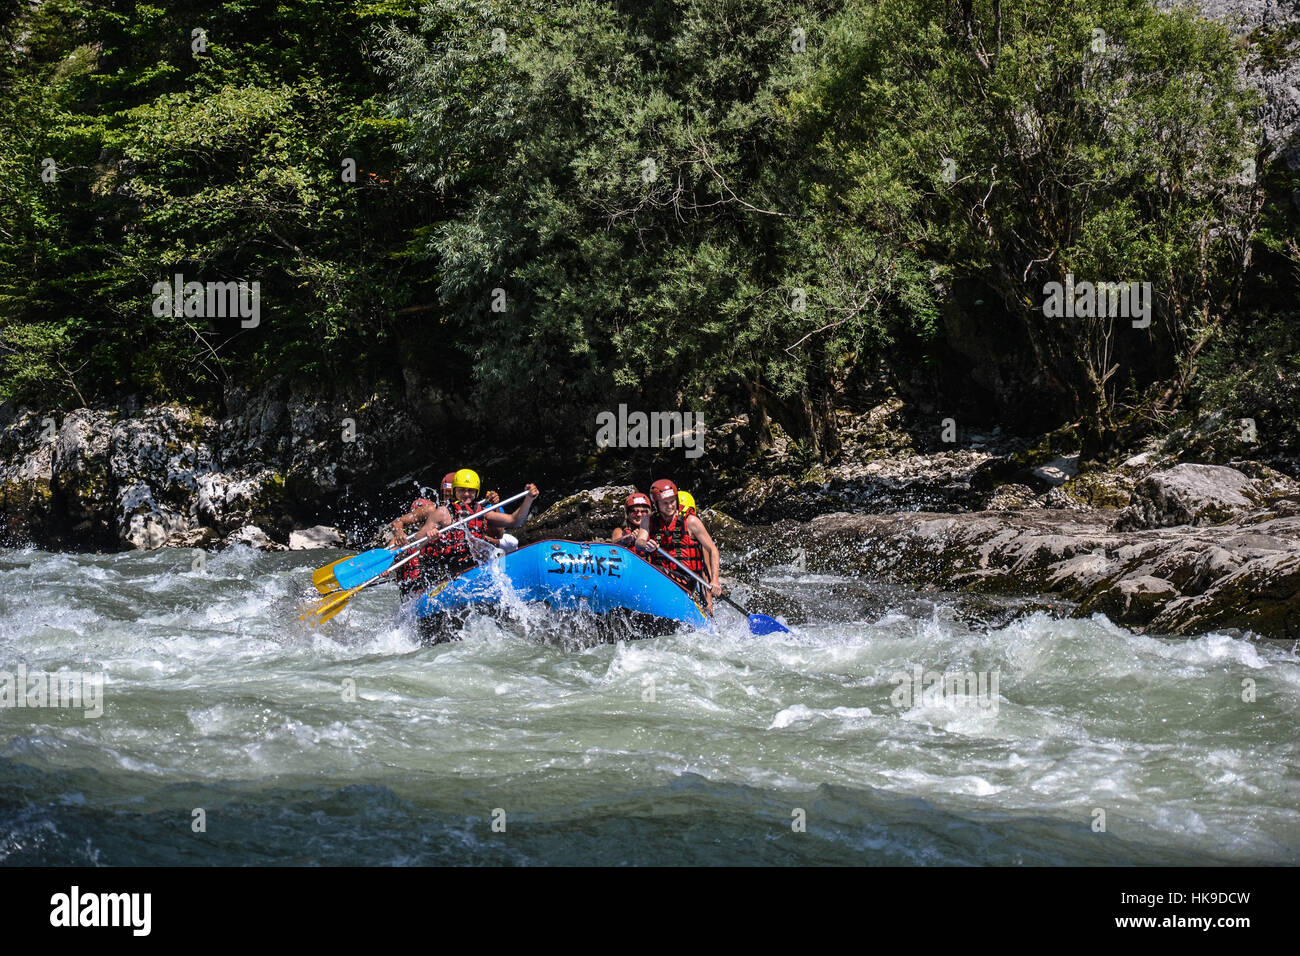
<point>637,500</point>
<point>447,480</point>
<point>662,489</point>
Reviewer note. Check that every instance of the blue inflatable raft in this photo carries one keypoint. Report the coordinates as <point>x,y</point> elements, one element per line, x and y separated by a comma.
<point>587,576</point>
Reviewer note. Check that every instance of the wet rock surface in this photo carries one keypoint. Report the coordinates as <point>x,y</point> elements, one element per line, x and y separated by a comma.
<point>27,503</point>
<point>254,537</point>
<point>143,478</point>
<point>1154,543</point>
<point>320,536</point>
<point>589,515</point>
<point>1201,495</point>
<point>1182,580</point>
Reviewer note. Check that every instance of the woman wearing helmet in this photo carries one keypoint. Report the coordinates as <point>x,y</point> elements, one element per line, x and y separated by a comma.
<point>635,509</point>
<point>456,551</point>
<point>448,491</point>
<point>684,537</point>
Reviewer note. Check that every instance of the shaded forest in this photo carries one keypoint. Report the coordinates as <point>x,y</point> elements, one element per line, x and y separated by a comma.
<point>758,207</point>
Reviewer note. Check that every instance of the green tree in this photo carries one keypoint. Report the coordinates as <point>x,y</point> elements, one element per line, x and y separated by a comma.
<point>1023,142</point>
<point>218,155</point>
<point>622,174</point>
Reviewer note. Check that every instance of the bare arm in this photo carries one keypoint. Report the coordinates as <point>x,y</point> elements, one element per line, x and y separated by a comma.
<point>399,527</point>
<point>438,519</point>
<point>499,522</point>
<point>711,556</point>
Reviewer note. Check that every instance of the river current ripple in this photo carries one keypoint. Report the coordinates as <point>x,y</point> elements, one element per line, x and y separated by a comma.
<point>889,728</point>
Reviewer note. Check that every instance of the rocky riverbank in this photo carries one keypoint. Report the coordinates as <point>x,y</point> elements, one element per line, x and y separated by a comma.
<point>281,461</point>
<point>1153,542</point>
<point>1196,547</point>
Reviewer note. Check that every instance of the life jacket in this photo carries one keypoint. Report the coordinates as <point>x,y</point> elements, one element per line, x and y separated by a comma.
<point>677,541</point>
<point>453,550</point>
<point>418,573</point>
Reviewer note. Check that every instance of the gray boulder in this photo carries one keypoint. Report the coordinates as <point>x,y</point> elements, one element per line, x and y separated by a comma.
<point>1058,471</point>
<point>144,523</point>
<point>230,500</point>
<point>254,537</point>
<point>81,466</point>
<point>155,460</point>
<point>320,536</point>
<point>587,515</point>
<point>197,538</point>
<point>1187,495</point>
<point>26,471</point>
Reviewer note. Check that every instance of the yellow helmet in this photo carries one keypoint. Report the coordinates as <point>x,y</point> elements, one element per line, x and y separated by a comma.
<point>466,479</point>
<point>685,500</point>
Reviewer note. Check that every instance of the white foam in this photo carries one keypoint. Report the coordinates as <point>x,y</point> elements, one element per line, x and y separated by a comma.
<point>801,712</point>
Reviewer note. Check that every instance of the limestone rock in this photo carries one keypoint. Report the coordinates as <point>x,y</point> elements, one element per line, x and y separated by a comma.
<point>254,537</point>
<point>1166,580</point>
<point>230,500</point>
<point>26,493</point>
<point>1134,600</point>
<point>1262,595</point>
<point>155,460</point>
<point>587,515</point>
<point>81,465</point>
<point>1187,494</point>
<point>1058,471</point>
<point>203,537</point>
<point>320,536</point>
<point>1010,497</point>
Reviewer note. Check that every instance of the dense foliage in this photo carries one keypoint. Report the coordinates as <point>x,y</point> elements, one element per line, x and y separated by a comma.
<point>762,206</point>
<point>218,157</point>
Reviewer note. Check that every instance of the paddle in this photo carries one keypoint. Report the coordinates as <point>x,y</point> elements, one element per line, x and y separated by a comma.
<point>336,600</point>
<point>345,572</point>
<point>323,578</point>
<point>348,572</point>
<point>758,623</point>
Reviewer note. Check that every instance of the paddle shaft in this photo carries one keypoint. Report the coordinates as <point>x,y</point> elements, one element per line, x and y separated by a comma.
<point>758,623</point>
<point>705,584</point>
<point>424,538</point>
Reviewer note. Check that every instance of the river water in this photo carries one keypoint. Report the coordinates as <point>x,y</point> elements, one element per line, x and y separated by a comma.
<point>232,734</point>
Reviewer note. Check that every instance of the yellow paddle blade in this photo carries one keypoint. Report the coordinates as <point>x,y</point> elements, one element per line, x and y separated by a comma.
<point>327,608</point>
<point>323,578</point>
<point>325,616</point>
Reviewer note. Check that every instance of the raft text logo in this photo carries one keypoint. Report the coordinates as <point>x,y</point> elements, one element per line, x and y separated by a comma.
<point>655,430</point>
<point>209,300</point>
<point>22,688</point>
<point>102,909</point>
<point>584,565</point>
<point>923,688</point>
<point>1102,300</point>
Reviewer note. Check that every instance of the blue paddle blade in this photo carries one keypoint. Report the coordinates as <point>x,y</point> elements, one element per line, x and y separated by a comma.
<point>363,567</point>
<point>762,624</point>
